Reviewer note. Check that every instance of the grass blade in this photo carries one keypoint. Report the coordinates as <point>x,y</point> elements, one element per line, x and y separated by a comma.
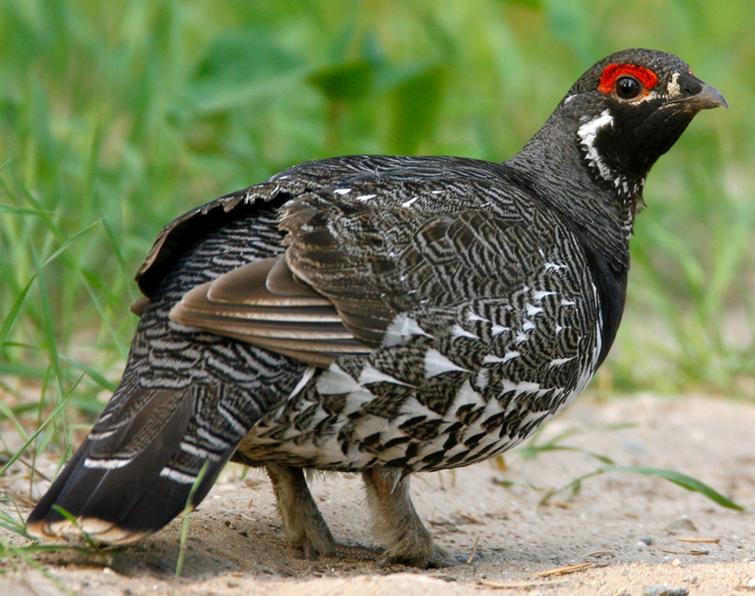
<point>54,414</point>
<point>686,482</point>
<point>185,521</point>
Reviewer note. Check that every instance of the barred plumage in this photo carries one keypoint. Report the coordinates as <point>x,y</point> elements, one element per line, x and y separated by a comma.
<point>378,314</point>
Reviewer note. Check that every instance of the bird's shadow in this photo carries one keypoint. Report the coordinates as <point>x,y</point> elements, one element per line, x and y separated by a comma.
<point>215,547</point>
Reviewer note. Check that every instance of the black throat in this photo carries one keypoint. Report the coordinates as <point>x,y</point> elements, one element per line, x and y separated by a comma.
<point>612,291</point>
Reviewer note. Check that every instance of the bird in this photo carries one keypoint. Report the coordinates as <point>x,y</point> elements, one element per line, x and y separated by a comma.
<point>380,315</point>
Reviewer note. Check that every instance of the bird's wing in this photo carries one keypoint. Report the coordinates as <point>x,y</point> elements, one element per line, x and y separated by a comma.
<point>359,256</point>
<point>264,304</point>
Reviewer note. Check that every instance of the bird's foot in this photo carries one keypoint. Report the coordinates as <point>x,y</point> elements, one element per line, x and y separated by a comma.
<point>358,552</point>
<point>434,558</point>
<point>309,550</point>
<point>314,546</point>
<point>428,556</point>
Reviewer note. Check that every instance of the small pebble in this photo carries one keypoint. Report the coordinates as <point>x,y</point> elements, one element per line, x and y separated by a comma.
<point>750,584</point>
<point>690,579</point>
<point>676,563</point>
<point>680,525</point>
<point>647,540</point>
<point>664,590</point>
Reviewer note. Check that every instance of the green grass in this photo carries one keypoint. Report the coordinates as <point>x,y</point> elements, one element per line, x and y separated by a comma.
<point>116,117</point>
<point>535,448</point>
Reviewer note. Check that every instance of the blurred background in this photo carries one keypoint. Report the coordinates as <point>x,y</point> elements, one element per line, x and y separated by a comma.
<point>117,117</point>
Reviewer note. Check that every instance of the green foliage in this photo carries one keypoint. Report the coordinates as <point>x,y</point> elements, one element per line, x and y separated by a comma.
<point>574,486</point>
<point>12,554</point>
<point>115,118</point>
<point>534,448</point>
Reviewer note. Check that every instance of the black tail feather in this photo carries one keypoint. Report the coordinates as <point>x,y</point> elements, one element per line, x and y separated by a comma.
<point>172,496</point>
<point>121,500</point>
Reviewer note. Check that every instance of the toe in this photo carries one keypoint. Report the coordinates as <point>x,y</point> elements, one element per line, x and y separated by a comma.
<point>358,552</point>
<point>435,558</point>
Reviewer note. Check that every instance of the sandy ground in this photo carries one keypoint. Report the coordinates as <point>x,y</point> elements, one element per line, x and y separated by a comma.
<point>629,534</point>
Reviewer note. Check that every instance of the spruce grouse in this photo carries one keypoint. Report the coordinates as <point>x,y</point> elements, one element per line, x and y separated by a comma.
<point>376,314</point>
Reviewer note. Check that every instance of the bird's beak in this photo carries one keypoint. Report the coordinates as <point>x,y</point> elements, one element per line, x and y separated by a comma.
<point>709,97</point>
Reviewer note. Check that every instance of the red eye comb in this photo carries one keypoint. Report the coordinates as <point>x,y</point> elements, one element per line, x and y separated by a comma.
<point>612,72</point>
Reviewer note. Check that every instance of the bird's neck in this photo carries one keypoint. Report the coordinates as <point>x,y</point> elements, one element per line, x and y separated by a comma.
<point>601,206</point>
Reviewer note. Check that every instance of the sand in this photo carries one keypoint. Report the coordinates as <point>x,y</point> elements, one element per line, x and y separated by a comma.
<point>620,534</point>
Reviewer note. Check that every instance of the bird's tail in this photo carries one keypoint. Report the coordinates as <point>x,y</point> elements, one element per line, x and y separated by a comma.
<point>132,477</point>
<point>185,401</point>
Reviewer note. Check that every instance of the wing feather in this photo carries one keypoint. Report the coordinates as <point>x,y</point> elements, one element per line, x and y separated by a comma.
<point>263,304</point>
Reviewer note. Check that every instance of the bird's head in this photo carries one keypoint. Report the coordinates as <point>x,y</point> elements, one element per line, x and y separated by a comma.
<point>628,110</point>
<point>590,159</point>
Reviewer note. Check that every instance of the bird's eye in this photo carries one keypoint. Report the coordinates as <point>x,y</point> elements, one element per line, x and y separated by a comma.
<point>627,87</point>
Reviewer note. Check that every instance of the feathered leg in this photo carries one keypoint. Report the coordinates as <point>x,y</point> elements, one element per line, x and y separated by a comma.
<point>302,520</point>
<point>396,523</point>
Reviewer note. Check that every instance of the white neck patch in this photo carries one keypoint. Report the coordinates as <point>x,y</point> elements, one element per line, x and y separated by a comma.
<point>673,89</point>
<point>587,135</point>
